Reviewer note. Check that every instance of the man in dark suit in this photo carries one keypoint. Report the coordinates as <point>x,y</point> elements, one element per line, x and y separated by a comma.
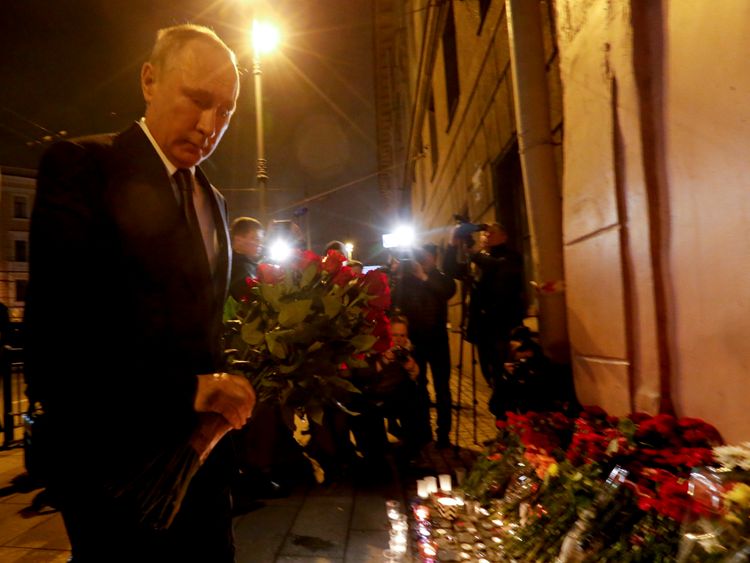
<point>128,274</point>
<point>246,235</point>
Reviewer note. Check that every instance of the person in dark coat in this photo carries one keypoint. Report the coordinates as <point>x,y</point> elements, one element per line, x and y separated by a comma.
<point>496,304</point>
<point>129,268</point>
<point>421,294</point>
<point>246,235</point>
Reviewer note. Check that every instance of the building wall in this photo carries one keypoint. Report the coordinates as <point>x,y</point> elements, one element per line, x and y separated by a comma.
<point>656,205</point>
<point>17,188</point>
<point>450,170</point>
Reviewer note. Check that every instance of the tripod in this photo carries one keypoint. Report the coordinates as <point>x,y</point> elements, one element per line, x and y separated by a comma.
<point>465,280</point>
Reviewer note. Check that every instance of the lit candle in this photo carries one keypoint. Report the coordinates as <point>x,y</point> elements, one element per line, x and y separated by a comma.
<point>422,491</point>
<point>421,512</point>
<point>427,549</point>
<point>445,482</point>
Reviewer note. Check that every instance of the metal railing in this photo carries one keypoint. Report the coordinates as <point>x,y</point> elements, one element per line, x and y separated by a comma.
<point>15,404</point>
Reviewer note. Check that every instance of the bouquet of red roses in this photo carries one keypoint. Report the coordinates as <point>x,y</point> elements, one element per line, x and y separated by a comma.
<point>299,324</point>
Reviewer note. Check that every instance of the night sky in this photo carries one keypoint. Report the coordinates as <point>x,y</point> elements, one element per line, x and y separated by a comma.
<point>73,65</point>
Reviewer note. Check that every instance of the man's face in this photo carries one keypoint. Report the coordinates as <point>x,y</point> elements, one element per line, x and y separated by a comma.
<point>493,236</point>
<point>399,334</point>
<point>190,101</point>
<point>250,245</point>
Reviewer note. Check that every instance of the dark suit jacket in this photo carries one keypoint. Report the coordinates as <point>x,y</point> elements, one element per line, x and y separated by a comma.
<point>122,310</point>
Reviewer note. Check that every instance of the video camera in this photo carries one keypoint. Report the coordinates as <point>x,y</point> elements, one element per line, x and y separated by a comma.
<point>465,228</point>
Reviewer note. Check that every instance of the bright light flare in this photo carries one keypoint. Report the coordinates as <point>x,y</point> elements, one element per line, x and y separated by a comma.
<point>280,251</point>
<point>401,237</point>
<point>265,37</point>
<point>349,249</point>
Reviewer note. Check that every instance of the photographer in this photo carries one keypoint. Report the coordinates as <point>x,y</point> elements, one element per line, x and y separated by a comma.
<point>496,305</point>
<point>390,390</point>
<point>421,293</point>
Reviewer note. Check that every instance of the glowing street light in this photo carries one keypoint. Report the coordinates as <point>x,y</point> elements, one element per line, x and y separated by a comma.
<point>265,37</point>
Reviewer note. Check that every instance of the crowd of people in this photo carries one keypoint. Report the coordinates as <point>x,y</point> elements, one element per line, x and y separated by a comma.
<point>129,347</point>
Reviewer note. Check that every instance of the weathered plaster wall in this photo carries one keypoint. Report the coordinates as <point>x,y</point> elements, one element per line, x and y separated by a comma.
<point>657,206</point>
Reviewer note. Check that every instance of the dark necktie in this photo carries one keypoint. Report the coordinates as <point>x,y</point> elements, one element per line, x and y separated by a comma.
<point>184,180</point>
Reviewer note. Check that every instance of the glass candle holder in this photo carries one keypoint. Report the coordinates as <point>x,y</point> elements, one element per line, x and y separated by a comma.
<point>392,509</point>
<point>422,491</point>
<point>400,523</point>
<point>432,484</point>
<point>421,512</point>
<point>445,482</point>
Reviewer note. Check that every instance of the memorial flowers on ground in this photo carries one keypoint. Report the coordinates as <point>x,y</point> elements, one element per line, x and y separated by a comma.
<point>605,488</point>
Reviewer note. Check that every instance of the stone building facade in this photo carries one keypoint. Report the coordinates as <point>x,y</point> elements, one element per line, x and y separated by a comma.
<point>17,189</point>
<point>653,175</point>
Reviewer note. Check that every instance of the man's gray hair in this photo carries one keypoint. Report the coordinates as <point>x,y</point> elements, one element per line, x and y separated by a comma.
<point>171,40</point>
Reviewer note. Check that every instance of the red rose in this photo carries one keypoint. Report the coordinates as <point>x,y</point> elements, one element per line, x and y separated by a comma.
<point>383,331</point>
<point>343,276</point>
<point>376,283</point>
<point>304,258</point>
<point>251,282</point>
<point>270,273</point>
<point>333,261</point>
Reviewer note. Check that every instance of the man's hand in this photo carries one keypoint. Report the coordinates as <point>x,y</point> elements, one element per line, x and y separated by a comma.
<point>231,396</point>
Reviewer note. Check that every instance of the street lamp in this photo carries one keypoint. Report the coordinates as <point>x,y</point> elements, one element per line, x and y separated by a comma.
<point>264,38</point>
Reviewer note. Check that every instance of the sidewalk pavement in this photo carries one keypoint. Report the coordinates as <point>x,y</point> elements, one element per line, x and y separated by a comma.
<point>343,523</point>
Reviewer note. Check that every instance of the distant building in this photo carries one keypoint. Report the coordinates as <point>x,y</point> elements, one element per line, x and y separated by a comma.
<point>17,189</point>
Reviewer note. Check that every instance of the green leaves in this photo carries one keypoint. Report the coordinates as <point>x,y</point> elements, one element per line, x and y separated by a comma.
<point>251,332</point>
<point>294,312</point>
<point>363,342</point>
<point>331,306</point>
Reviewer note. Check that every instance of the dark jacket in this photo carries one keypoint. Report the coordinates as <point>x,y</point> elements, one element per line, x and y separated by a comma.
<point>242,268</point>
<point>122,311</point>
<point>424,303</point>
<point>496,300</point>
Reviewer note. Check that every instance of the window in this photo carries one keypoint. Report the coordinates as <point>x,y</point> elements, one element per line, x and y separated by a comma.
<point>20,207</point>
<point>450,60</point>
<point>434,153</point>
<point>19,250</point>
<point>484,6</point>
<point>21,290</point>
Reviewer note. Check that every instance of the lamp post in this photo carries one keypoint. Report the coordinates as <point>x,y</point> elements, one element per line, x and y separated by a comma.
<point>264,39</point>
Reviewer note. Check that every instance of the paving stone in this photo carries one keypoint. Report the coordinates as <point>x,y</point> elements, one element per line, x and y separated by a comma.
<point>366,546</point>
<point>13,523</point>
<point>48,534</point>
<point>369,511</point>
<point>259,535</point>
<point>22,555</point>
<point>321,528</point>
